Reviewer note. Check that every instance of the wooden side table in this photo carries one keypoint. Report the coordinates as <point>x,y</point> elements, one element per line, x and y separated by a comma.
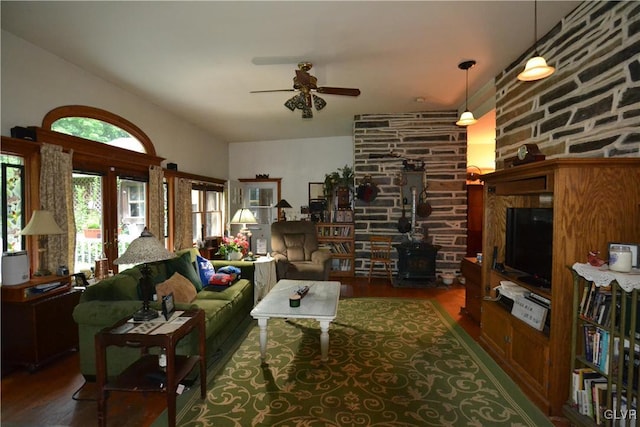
<point>38,325</point>
<point>141,376</point>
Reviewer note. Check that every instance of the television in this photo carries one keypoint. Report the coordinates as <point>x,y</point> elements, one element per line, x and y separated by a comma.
<point>529,244</point>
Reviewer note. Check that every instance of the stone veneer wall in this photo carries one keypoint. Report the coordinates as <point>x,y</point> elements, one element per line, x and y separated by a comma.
<point>433,138</point>
<point>590,107</point>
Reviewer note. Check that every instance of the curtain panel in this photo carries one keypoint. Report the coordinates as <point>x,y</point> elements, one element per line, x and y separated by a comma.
<point>156,202</point>
<point>56,195</point>
<point>183,238</point>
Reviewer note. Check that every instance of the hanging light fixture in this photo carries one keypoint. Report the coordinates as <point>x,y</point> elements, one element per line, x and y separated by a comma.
<point>536,67</point>
<point>466,118</point>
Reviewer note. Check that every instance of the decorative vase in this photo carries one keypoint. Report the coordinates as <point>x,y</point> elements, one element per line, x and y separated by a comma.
<point>234,256</point>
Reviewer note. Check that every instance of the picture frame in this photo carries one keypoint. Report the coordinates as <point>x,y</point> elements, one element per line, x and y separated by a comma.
<point>316,190</point>
<point>168,306</point>
<point>633,247</point>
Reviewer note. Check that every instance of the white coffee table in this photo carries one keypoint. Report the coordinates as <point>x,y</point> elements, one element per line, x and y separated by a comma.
<point>321,303</point>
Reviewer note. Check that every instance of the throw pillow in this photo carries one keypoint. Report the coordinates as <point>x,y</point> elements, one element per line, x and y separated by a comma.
<point>181,287</point>
<point>295,246</point>
<point>183,265</point>
<point>205,270</point>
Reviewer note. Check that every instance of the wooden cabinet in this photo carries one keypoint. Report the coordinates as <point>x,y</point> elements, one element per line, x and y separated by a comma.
<point>594,201</point>
<point>473,284</point>
<point>338,237</point>
<point>41,326</point>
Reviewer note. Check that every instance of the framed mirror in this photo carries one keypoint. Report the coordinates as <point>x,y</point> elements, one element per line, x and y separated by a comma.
<point>316,191</point>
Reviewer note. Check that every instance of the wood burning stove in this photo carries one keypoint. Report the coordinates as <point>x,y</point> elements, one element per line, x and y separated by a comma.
<point>416,264</point>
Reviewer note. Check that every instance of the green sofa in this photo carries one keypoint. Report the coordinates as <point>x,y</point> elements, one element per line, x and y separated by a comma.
<point>112,299</point>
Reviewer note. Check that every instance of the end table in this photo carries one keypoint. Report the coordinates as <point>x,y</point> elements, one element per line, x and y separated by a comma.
<point>141,376</point>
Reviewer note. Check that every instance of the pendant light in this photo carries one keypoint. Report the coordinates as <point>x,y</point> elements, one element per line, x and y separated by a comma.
<point>536,67</point>
<point>466,118</point>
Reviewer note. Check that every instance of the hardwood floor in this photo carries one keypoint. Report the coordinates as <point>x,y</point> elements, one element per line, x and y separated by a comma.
<point>46,397</point>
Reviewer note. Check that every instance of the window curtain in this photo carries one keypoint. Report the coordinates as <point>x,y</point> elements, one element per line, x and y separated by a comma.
<point>56,195</point>
<point>183,238</point>
<point>156,202</point>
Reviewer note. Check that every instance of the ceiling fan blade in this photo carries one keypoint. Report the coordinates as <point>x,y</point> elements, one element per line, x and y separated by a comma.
<point>273,90</point>
<point>339,91</point>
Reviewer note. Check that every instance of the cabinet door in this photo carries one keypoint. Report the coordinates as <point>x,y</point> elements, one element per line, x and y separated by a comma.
<point>496,328</point>
<point>530,356</point>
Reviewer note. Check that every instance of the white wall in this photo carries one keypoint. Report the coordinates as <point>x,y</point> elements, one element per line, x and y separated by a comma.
<point>35,82</point>
<point>296,161</point>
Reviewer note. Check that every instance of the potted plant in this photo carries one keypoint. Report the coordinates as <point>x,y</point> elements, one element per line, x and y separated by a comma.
<point>340,183</point>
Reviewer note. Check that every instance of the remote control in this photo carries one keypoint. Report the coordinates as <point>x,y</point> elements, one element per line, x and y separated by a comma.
<point>303,291</point>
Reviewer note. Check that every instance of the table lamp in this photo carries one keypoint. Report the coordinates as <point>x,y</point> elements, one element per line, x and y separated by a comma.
<point>41,224</point>
<point>283,204</point>
<point>244,216</point>
<point>143,250</point>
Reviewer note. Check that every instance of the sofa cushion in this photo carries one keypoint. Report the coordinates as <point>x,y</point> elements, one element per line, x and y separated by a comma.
<point>178,285</point>
<point>295,246</point>
<point>221,279</point>
<point>183,265</point>
<point>205,270</point>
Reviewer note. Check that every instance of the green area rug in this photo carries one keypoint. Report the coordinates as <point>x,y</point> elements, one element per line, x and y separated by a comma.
<point>392,362</point>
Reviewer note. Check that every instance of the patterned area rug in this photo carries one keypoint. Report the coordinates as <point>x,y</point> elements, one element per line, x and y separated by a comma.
<point>392,362</point>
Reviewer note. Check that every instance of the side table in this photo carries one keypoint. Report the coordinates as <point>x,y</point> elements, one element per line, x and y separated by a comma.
<point>264,277</point>
<point>142,375</point>
<point>37,321</point>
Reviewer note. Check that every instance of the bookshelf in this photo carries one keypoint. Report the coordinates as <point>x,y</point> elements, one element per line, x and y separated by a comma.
<point>604,385</point>
<point>338,237</point>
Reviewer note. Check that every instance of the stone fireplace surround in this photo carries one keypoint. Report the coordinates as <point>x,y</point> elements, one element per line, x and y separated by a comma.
<point>431,137</point>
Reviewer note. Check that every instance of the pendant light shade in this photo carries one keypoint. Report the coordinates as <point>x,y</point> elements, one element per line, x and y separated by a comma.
<point>466,118</point>
<point>536,68</point>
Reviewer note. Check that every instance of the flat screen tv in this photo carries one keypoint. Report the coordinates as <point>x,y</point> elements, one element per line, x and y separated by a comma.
<point>529,241</point>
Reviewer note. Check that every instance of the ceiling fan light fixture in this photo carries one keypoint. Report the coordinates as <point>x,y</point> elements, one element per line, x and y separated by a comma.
<point>307,113</point>
<point>466,118</point>
<point>318,102</point>
<point>291,103</point>
<point>536,68</point>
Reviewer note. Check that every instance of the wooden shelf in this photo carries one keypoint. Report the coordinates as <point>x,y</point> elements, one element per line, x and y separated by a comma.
<point>338,237</point>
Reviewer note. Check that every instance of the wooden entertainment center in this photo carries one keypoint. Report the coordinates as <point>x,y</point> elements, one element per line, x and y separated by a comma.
<point>594,201</point>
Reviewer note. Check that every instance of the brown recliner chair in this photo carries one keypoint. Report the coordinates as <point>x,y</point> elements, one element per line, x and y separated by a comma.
<point>294,246</point>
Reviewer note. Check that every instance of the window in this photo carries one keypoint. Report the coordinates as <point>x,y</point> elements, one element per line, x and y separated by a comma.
<point>13,209</point>
<point>207,212</point>
<point>99,131</point>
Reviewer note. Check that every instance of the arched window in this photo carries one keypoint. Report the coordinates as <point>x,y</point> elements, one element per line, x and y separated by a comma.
<point>98,125</point>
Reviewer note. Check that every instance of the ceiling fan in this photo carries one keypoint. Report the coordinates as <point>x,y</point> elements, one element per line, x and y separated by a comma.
<point>305,83</point>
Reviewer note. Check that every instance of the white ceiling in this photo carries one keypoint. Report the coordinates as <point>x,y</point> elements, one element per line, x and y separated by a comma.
<point>201,59</point>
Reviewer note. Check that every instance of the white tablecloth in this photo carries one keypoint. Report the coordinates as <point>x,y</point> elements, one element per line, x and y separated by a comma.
<point>264,277</point>
<point>602,276</point>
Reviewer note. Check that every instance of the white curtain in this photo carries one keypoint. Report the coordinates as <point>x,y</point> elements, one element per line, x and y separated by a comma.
<point>156,202</point>
<point>183,238</point>
<point>56,195</point>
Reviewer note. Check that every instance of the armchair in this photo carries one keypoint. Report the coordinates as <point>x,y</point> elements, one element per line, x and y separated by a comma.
<point>295,249</point>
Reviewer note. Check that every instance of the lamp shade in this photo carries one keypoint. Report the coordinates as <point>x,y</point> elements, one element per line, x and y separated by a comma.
<point>243,216</point>
<point>145,248</point>
<point>41,224</point>
<point>282,204</point>
<point>466,119</point>
<point>535,69</point>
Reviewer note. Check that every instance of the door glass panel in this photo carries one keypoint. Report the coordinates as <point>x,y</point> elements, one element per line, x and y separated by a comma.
<point>260,198</point>
<point>87,208</point>
<point>132,197</point>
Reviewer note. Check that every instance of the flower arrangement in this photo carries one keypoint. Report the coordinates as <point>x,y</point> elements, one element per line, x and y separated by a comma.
<point>229,244</point>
